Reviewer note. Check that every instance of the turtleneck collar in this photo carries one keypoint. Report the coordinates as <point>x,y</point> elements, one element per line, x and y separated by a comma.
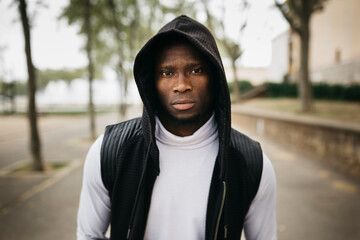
<point>202,137</point>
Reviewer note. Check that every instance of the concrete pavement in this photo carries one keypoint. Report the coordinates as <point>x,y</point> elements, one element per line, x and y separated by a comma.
<point>44,205</point>
<point>47,214</point>
<point>313,202</point>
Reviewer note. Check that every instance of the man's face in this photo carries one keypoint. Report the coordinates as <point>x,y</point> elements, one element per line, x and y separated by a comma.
<point>184,85</point>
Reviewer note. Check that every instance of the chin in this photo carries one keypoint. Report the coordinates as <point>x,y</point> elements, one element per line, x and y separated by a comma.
<point>185,119</point>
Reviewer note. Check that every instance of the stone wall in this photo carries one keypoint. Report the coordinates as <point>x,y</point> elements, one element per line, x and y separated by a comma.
<point>334,143</point>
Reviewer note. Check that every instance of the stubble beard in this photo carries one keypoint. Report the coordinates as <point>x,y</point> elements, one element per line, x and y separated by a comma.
<point>185,121</point>
<point>179,120</point>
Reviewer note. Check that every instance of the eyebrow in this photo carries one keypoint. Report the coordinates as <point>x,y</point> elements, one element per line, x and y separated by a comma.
<point>188,65</point>
<point>195,64</point>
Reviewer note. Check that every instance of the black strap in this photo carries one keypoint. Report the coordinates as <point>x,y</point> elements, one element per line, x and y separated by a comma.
<point>115,137</point>
<point>252,154</point>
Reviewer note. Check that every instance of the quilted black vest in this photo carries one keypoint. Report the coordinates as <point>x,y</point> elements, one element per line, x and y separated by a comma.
<point>129,169</point>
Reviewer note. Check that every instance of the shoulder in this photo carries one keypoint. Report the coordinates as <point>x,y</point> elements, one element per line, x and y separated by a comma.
<point>248,148</point>
<point>92,162</point>
<point>245,161</point>
<point>268,178</point>
<point>131,127</point>
<point>237,139</point>
<point>119,133</point>
<point>116,138</point>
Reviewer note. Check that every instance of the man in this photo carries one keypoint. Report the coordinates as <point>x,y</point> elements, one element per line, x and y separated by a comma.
<point>180,171</point>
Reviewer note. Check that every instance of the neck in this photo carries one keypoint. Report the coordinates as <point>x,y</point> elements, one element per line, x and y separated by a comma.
<point>183,128</point>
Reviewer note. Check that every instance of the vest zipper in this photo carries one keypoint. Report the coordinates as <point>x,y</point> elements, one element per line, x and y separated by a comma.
<point>225,232</point>
<point>221,209</point>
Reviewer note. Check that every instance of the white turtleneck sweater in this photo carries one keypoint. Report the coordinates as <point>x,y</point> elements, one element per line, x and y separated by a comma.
<point>180,195</point>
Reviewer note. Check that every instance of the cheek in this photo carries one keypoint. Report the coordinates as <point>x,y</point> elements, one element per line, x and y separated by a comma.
<point>159,87</point>
<point>207,90</point>
<point>162,90</point>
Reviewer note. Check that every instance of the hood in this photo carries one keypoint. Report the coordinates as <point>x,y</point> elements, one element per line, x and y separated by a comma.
<point>202,39</point>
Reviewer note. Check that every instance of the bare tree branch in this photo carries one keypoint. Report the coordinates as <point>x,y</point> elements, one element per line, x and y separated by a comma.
<point>297,8</point>
<point>290,20</point>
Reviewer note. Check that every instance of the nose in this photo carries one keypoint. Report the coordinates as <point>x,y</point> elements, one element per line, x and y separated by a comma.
<point>183,84</point>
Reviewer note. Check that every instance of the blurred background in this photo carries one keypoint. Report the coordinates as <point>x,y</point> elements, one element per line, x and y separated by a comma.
<point>293,69</point>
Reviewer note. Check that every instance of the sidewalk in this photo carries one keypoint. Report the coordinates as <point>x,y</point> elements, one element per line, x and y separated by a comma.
<point>44,205</point>
<point>47,214</point>
<point>313,201</point>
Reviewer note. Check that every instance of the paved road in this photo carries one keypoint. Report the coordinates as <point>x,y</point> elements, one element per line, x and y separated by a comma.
<point>29,202</point>
<point>58,136</point>
<point>313,201</point>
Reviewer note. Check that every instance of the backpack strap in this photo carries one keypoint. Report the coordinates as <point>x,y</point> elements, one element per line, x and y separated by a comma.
<point>251,152</point>
<point>115,137</point>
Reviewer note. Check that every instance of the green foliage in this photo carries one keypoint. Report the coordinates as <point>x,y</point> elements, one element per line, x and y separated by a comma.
<point>352,93</point>
<point>281,89</point>
<point>324,91</point>
<point>47,75</point>
<point>120,27</point>
<point>20,88</point>
<point>337,92</point>
<point>244,86</point>
<point>320,91</point>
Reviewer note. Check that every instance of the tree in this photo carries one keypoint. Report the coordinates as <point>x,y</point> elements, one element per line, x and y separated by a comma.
<point>118,29</point>
<point>87,27</point>
<point>104,33</point>
<point>298,14</point>
<point>82,11</point>
<point>231,47</point>
<point>129,30</point>
<point>35,144</point>
<point>130,27</point>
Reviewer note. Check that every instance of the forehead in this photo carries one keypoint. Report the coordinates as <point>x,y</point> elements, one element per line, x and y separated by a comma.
<point>178,50</point>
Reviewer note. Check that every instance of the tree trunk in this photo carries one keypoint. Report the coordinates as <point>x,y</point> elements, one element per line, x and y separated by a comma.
<point>120,71</point>
<point>35,144</point>
<point>87,25</point>
<point>12,98</point>
<point>236,90</point>
<point>304,89</point>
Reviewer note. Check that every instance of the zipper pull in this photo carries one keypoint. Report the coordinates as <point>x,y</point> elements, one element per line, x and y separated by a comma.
<point>225,232</point>
<point>128,233</point>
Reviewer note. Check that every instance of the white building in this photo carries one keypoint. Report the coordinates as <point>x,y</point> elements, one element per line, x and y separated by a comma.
<point>255,75</point>
<point>334,46</point>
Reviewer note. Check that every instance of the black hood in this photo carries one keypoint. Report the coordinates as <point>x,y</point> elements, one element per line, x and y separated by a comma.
<point>202,39</point>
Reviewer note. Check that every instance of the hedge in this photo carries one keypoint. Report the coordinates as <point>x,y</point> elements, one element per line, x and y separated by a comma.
<point>320,91</point>
<point>243,85</point>
<point>276,90</point>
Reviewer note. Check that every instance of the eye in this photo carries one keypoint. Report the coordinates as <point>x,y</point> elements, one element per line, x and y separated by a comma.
<point>197,70</point>
<point>166,73</point>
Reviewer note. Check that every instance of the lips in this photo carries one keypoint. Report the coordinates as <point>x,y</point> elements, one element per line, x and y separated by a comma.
<point>183,104</point>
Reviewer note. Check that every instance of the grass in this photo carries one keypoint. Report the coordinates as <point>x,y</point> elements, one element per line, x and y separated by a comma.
<point>335,110</point>
<point>27,168</point>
